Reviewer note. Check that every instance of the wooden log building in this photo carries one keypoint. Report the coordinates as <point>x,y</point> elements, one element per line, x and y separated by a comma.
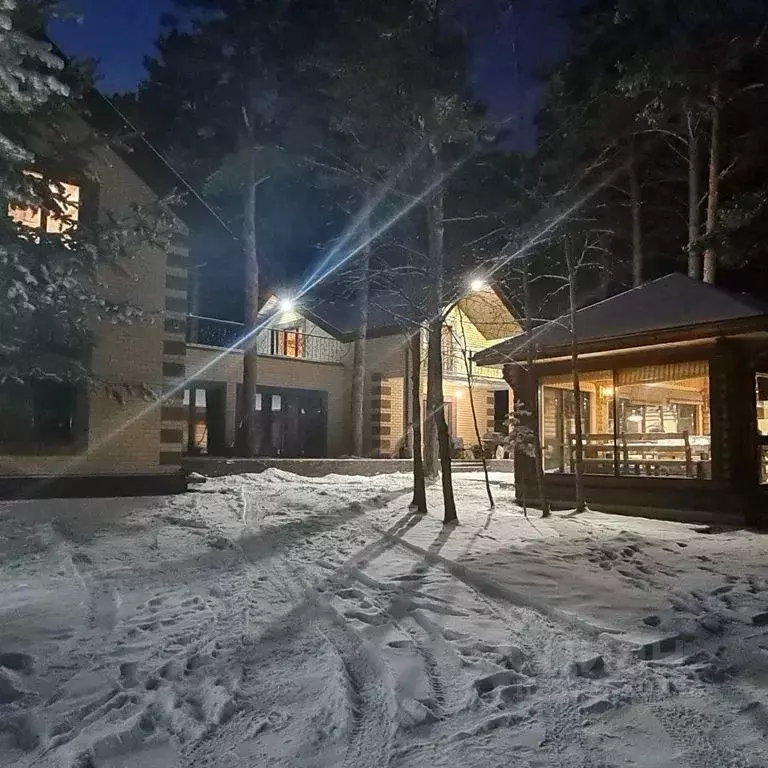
<point>673,397</point>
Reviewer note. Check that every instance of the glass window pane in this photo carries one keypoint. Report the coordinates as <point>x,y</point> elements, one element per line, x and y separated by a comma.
<point>558,422</point>
<point>761,386</point>
<point>761,399</point>
<point>663,420</point>
<point>27,216</point>
<point>277,403</point>
<point>257,402</point>
<point>68,200</point>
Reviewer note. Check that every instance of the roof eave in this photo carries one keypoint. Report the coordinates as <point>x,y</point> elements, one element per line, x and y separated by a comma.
<point>495,356</point>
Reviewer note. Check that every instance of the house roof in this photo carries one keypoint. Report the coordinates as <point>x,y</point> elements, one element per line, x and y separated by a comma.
<point>142,158</point>
<point>674,303</point>
<point>387,315</point>
<point>390,314</point>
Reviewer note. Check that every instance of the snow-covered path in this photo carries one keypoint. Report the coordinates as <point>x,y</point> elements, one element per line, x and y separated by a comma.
<point>273,620</point>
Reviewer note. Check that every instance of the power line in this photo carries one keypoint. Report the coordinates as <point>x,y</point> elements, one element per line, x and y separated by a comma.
<point>167,163</point>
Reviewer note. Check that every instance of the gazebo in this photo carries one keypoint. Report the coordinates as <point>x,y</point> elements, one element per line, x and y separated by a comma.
<point>673,381</point>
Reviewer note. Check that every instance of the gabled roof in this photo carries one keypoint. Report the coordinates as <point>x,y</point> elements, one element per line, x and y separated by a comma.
<point>133,148</point>
<point>392,314</point>
<point>674,303</point>
<point>387,315</point>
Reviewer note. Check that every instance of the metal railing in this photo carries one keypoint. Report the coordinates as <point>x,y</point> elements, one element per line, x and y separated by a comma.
<point>272,342</point>
<point>213,332</point>
<point>302,346</point>
<point>454,363</point>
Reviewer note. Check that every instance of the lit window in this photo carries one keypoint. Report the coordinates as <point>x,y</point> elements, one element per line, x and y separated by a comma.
<point>55,222</point>
<point>648,421</point>
<point>288,342</point>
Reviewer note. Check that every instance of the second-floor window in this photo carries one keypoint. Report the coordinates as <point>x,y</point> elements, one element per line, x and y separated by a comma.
<point>288,342</point>
<point>57,219</point>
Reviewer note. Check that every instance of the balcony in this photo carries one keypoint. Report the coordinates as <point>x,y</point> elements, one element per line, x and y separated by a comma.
<point>271,342</point>
<point>453,364</point>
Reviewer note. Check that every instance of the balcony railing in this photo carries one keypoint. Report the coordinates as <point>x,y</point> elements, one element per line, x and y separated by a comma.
<point>454,363</point>
<point>213,332</point>
<point>272,342</point>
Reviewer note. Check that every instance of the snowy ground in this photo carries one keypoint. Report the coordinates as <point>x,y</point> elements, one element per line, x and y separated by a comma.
<point>272,620</point>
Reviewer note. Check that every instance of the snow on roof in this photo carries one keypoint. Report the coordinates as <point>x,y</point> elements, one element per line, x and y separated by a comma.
<point>674,302</point>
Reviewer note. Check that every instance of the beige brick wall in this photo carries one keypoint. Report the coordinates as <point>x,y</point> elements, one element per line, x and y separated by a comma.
<point>385,361</point>
<point>281,372</point>
<point>122,438</point>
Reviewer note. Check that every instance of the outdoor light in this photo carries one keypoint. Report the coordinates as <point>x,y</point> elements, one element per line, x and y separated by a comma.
<point>459,393</point>
<point>478,285</point>
<point>287,305</point>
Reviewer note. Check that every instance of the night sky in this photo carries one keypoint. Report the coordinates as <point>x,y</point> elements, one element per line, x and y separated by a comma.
<point>120,33</point>
<point>117,32</point>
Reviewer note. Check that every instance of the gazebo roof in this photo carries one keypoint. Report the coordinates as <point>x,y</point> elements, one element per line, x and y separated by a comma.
<point>670,308</point>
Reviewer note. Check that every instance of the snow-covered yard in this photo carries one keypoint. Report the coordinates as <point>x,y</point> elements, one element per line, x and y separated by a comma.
<point>275,620</point>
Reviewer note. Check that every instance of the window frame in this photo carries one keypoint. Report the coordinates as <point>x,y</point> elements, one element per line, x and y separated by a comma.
<point>52,175</point>
<point>613,366</point>
<point>279,342</point>
<point>47,447</point>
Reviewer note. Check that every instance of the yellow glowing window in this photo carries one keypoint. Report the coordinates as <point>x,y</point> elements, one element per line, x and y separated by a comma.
<point>55,222</point>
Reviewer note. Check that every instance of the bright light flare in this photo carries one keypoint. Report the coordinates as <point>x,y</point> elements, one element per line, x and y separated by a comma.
<point>478,285</point>
<point>287,304</point>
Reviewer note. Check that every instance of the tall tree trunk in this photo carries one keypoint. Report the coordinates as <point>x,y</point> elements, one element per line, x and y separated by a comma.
<point>713,186</point>
<point>359,366</point>
<point>694,197</point>
<point>419,502</point>
<point>635,204</point>
<point>578,459</point>
<point>436,231</point>
<point>534,405</point>
<point>249,427</point>
<point>435,364</point>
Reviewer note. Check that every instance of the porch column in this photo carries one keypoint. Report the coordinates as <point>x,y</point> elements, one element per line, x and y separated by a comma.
<point>733,418</point>
<point>230,415</point>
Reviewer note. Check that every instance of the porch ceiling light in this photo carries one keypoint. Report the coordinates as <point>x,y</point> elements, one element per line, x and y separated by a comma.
<point>287,304</point>
<point>478,285</point>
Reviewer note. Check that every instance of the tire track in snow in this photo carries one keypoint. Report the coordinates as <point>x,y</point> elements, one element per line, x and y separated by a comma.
<point>370,694</point>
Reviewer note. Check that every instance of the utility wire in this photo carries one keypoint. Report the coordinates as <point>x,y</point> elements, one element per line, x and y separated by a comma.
<point>167,163</point>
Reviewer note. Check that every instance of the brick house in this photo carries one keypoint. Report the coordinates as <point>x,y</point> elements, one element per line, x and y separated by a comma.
<point>305,377</point>
<point>94,443</point>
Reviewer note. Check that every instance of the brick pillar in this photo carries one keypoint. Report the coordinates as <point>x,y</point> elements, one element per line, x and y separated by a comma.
<point>381,417</point>
<point>173,415</point>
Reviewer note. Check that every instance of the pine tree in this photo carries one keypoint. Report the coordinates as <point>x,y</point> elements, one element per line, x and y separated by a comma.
<point>232,91</point>
<point>49,274</point>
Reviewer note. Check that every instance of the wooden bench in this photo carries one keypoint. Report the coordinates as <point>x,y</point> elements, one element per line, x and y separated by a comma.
<point>642,452</point>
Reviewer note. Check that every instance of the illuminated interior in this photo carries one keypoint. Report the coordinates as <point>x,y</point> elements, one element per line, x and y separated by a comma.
<point>761,397</point>
<point>648,421</point>
<point>57,222</point>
